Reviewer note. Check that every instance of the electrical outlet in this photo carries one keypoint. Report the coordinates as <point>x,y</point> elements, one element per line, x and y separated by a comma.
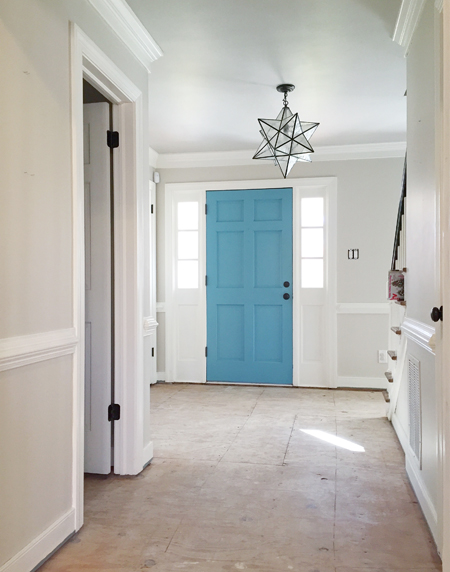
<point>382,356</point>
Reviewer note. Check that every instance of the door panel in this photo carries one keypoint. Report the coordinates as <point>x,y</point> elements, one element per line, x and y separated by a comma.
<point>97,436</point>
<point>249,258</point>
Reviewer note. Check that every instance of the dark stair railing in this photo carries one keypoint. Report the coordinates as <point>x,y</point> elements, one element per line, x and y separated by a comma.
<point>398,228</point>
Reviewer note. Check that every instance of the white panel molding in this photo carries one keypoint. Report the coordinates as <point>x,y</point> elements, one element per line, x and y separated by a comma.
<point>414,474</point>
<point>244,158</point>
<point>420,333</point>
<point>408,18</point>
<point>363,308</point>
<point>149,326</point>
<point>42,546</point>
<point>354,382</point>
<point>129,29</point>
<point>26,350</point>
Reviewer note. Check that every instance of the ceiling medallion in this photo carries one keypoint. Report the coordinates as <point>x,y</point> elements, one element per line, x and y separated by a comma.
<point>286,138</point>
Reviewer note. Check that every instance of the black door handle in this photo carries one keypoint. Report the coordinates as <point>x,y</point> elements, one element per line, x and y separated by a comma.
<point>436,314</point>
<point>286,284</point>
<point>286,296</point>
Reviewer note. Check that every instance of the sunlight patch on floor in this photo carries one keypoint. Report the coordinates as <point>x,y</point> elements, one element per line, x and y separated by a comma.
<point>334,440</point>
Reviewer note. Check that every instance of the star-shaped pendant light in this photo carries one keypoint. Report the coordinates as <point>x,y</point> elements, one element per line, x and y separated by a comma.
<point>286,138</point>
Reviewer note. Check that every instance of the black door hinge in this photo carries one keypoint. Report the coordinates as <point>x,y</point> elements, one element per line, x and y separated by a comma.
<point>206,352</point>
<point>206,280</point>
<point>112,139</point>
<point>151,209</point>
<point>114,412</point>
<point>153,352</point>
<point>206,208</point>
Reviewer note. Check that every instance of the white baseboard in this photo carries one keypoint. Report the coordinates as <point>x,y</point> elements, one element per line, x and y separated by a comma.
<point>161,376</point>
<point>420,490</point>
<point>362,382</point>
<point>42,546</point>
<point>148,453</point>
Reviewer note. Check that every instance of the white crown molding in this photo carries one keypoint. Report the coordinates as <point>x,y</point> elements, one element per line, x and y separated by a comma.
<point>408,18</point>
<point>439,5</point>
<point>126,25</point>
<point>150,325</point>
<point>363,308</point>
<point>420,333</point>
<point>244,158</point>
<point>25,350</point>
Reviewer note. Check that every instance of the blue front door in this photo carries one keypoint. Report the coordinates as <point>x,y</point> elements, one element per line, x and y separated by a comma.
<point>249,286</point>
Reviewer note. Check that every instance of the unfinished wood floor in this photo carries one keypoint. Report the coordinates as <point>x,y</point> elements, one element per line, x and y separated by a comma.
<point>237,485</point>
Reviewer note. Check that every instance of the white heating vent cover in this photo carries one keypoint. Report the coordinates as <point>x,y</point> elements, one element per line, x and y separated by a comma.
<point>415,408</point>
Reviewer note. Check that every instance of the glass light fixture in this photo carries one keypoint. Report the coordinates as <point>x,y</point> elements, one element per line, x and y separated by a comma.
<point>286,138</point>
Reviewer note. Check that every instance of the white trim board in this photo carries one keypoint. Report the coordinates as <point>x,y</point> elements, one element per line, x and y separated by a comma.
<point>149,326</point>
<point>240,158</point>
<point>38,549</point>
<point>420,333</point>
<point>415,478</point>
<point>353,382</point>
<point>408,18</point>
<point>363,308</point>
<point>129,29</point>
<point>88,61</point>
<point>25,350</point>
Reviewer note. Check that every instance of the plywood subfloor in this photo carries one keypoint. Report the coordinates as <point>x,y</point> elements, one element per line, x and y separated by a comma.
<point>237,485</point>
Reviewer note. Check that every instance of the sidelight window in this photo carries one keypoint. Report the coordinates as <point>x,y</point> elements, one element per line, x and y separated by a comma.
<point>187,245</point>
<point>312,245</point>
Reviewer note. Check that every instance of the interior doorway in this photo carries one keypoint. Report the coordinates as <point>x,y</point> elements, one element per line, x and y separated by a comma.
<point>99,281</point>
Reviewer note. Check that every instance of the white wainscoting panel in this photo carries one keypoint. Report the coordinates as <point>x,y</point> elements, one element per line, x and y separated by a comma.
<point>33,348</point>
<point>362,382</point>
<point>415,477</point>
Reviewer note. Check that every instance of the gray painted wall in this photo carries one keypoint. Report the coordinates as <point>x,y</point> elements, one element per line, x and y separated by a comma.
<point>36,401</point>
<point>368,194</point>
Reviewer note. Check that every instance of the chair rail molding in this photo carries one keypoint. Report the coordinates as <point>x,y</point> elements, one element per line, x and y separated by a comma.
<point>127,26</point>
<point>363,308</point>
<point>150,325</point>
<point>408,18</point>
<point>33,348</point>
<point>420,333</point>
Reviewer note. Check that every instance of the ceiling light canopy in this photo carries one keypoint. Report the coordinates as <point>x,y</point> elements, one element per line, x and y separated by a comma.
<point>286,138</point>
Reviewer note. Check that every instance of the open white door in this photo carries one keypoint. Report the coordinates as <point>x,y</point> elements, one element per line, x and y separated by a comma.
<point>97,435</point>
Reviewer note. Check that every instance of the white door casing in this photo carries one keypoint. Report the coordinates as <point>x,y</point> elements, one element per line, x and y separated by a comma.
<point>89,62</point>
<point>97,223</point>
<point>186,330</point>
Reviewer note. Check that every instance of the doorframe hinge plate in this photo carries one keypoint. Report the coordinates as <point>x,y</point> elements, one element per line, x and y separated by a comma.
<point>114,412</point>
<point>112,139</point>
